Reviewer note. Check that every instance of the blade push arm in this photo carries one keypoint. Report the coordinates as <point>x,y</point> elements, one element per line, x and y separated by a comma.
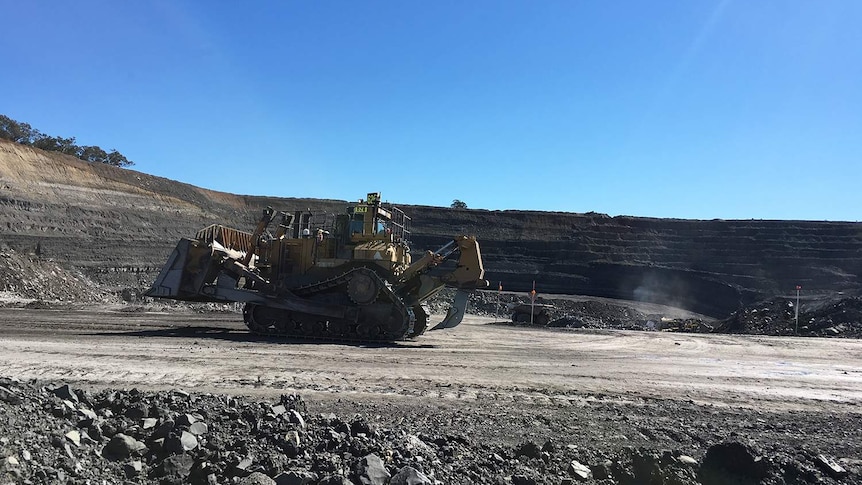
<point>468,273</point>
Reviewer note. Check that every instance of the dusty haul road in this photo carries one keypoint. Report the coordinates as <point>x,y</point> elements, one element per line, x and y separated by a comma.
<point>598,394</point>
<point>478,362</point>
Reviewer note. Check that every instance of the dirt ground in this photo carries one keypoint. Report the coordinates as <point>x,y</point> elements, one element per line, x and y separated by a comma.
<point>598,394</point>
<point>475,362</point>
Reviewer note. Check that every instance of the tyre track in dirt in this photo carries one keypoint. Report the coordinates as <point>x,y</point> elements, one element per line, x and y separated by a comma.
<point>477,362</point>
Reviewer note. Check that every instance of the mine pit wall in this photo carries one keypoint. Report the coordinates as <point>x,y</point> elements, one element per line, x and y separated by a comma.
<point>119,226</point>
<point>711,267</point>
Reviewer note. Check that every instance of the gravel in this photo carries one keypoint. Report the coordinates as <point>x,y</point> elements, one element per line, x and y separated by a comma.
<point>827,317</point>
<point>256,442</point>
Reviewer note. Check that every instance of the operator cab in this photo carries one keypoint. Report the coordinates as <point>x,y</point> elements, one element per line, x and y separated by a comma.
<point>369,220</point>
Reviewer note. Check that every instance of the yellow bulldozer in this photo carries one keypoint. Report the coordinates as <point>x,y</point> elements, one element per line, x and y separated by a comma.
<point>332,276</point>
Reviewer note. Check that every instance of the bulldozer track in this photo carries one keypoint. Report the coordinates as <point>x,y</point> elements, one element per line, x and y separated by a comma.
<point>358,331</point>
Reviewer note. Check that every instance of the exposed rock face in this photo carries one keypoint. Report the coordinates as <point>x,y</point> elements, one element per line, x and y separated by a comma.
<point>707,266</point>
<point>118,227</point>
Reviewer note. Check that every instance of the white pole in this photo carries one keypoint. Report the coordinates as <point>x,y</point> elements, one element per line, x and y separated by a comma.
<point>499,290</point>
<point>797,309</point>
<point>532,302</point>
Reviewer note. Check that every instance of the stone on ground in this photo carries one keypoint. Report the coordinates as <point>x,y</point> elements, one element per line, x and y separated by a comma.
<point>121,447</point>
<point>257,478</point>
<point>372,471</point>
<point>580,471</point>
<point>410,476</point>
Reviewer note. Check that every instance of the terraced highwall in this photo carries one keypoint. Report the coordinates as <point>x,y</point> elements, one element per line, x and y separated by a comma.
<point>708,266</point>
<point>119,226</point>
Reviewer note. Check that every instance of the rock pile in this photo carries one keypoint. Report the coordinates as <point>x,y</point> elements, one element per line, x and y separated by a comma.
<point>589,314</point>
<point>839,316</point>
<point>29,277</point>
<point>57,434</point>
<point>597,314</point>
<point>835,317</point>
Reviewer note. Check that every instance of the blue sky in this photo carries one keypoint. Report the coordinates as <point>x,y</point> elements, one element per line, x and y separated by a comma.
<point>689,109</point>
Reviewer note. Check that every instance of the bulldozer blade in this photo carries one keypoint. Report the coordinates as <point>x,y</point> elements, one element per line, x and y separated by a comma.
<point>172,275</point>
<point>456,311</point>
<point>184,275</point>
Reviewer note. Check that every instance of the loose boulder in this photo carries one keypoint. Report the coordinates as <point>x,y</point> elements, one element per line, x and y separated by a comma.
<point>121,447</point>
<point>410,476</point>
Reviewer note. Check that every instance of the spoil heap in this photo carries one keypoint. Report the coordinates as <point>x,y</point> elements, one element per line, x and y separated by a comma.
<point>832,317</point>
<point>26,277</point>
<point>584,312</point>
